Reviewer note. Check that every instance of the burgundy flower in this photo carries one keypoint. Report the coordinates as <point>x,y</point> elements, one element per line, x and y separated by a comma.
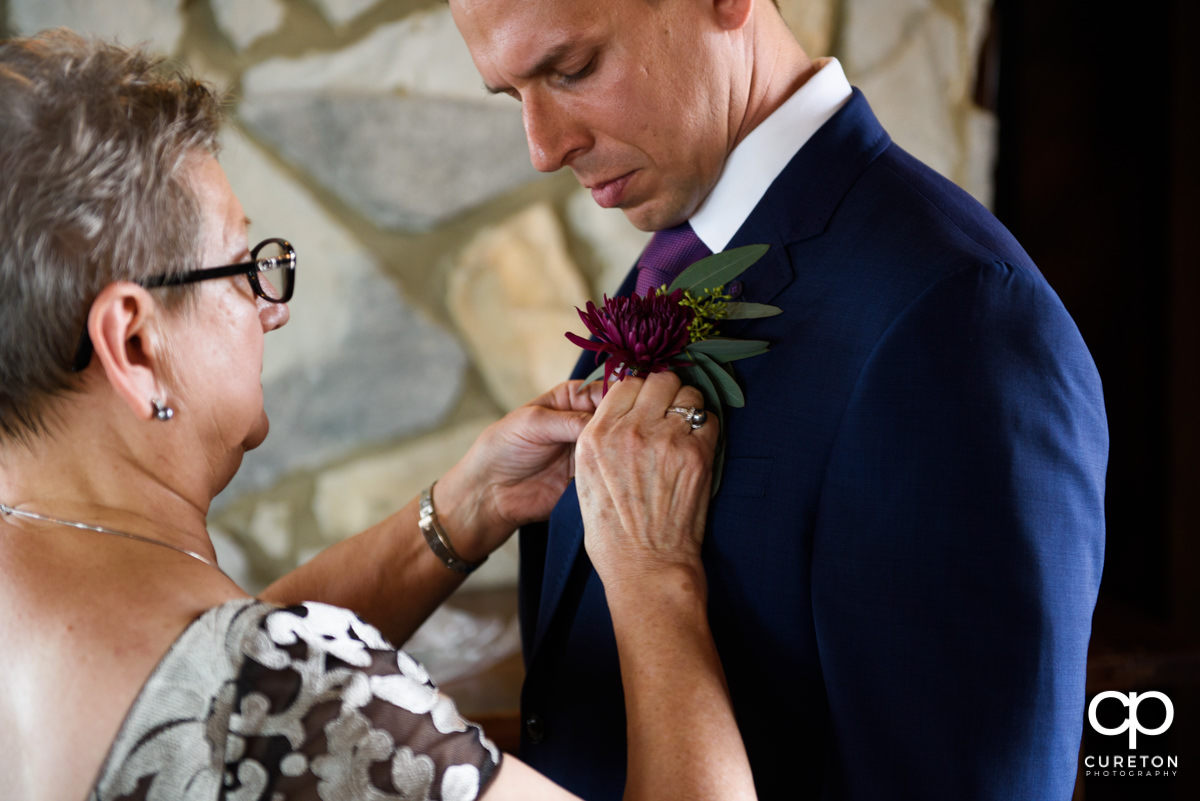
<point>641,335</point>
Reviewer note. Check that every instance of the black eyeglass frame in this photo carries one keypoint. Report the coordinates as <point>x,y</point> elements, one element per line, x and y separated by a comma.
<point>250,269</point>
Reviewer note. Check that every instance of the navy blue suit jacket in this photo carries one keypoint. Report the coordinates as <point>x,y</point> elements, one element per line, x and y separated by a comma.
<point>905,552</point>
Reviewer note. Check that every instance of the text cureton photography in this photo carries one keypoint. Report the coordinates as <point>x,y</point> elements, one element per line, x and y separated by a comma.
<point>1130,765</point>
<point>1126,716</point>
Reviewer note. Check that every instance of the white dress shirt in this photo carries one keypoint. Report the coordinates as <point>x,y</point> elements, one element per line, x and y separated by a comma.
<point>759,158</point>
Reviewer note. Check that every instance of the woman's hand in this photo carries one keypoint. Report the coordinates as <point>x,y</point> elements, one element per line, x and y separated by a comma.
<point>516,470</point>
<point>513,474</point>
<point>644,479</point>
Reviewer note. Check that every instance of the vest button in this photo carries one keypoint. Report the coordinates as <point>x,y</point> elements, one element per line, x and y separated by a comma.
<point>535,729</point>
<point>734,290</point>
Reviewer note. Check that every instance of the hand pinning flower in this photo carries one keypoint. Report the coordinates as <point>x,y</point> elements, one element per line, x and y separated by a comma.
<point>675,328</point>
<point>641,335</point>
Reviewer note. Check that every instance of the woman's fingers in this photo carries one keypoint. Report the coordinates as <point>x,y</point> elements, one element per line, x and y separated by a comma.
<point>571,396</point>
<point>644,475</point>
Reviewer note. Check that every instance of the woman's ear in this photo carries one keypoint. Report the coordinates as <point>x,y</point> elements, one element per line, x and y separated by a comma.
<point>125,325</point>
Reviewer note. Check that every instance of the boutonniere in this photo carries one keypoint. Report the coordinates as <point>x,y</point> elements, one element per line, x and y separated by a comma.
<point>676,328</point>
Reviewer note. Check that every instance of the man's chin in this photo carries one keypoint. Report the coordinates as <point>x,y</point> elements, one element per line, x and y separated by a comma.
<point>651,216</point>
<point>638,220</point>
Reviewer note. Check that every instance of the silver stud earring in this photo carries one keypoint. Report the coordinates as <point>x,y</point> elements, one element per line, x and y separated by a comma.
<point>161,410</point>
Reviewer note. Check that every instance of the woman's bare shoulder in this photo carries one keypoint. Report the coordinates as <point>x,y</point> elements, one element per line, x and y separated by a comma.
<point>80,645</point>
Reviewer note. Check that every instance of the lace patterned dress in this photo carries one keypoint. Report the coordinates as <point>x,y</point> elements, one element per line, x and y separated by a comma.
<point>309,702</point>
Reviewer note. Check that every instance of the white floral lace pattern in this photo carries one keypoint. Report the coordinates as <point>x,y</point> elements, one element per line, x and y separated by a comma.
<point>257,703</point>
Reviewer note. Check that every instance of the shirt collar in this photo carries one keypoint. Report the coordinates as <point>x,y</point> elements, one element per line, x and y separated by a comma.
<point>759,158</point>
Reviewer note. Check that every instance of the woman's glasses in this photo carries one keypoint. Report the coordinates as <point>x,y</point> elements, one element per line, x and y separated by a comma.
<point>271,273</point>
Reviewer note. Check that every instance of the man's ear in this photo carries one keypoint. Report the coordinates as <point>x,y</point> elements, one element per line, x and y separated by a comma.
<point>125,325</point>
<point>732,15</point>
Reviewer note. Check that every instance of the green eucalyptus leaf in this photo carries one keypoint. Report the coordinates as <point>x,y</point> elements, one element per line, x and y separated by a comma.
<point>718,269</point>
<point>718,464</point>
<point>750,311</point>
<point>695,376</point>
<point>728,350</point>
<point>723,381</point>
<point>592,377</point>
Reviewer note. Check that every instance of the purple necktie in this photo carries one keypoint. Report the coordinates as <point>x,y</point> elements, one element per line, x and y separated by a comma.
<point>669,253</point>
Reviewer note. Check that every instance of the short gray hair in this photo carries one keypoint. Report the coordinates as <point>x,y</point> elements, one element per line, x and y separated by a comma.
<point>94,141</point>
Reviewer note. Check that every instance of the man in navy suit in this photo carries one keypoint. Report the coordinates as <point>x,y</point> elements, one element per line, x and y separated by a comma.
<point>906,548</point>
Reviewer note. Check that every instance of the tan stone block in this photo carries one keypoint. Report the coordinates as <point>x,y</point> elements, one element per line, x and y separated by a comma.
<point>357,495</point>
<point>874,31</point>
<point>812,23</point>
<point>360,494</point>
<point>979,170</point>
<point>513,295</point>
<point>614,241</point>
<point>271,528</point>
<point>913,93</point>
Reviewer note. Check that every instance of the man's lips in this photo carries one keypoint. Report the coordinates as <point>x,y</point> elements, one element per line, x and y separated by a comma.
<point>608,194</point>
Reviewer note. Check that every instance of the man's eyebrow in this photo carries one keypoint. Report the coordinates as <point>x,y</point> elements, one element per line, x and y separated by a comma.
<point>545,64</point>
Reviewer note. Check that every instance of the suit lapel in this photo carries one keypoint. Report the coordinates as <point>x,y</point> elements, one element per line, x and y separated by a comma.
<point>562,552</point>
<point>801,202</point>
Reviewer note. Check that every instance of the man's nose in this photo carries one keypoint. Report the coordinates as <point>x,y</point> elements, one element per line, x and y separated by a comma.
<point>555,136</point>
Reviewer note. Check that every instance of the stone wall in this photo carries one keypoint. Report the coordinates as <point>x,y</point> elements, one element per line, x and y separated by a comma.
<point>438,270</point>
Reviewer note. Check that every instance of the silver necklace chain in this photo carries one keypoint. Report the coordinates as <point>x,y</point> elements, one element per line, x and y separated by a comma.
<point>8,510</point>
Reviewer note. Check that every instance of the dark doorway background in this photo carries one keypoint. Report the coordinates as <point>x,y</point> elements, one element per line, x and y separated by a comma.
<point>1098,177</point>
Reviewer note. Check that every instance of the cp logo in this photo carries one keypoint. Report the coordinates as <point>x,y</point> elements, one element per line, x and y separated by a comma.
<point>1131,723</point>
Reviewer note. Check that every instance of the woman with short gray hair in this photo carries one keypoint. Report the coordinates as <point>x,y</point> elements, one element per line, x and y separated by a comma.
<point>133,312</point>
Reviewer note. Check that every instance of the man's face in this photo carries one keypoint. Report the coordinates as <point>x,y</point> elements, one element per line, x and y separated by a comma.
<point>636,97</point>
